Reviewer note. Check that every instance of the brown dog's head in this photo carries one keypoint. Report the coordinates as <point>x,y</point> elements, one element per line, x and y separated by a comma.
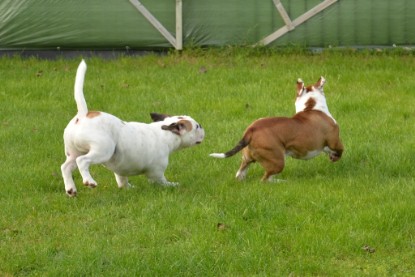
<point>302,90</point>
<point>311,97</point>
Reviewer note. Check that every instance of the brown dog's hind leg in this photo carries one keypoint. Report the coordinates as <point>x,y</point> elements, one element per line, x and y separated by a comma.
<point>246,161</point>
<point>272,162</point>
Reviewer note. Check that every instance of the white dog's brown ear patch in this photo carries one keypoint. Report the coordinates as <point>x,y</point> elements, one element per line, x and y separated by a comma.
<point>178,127</point>
<point>158,116</point>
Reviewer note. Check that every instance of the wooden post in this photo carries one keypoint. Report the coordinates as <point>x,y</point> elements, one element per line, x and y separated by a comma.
<point>179,25</point>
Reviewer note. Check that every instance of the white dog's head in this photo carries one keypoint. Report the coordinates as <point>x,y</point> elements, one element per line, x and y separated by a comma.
<point>311,97</point>
<point>190,132</point>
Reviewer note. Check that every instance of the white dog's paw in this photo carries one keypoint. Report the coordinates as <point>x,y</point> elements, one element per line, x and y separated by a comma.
<point>90,183</point>
<point>127,186</point>
<point>71,192</point>
<point>170,184</point>
<point>163,182</point>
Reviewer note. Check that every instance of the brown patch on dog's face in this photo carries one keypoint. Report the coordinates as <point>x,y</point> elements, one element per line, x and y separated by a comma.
<point>92,114</point>
<point>309,88</point>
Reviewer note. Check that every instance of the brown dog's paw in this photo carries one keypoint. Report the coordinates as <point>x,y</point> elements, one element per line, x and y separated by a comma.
<point>334,157</point>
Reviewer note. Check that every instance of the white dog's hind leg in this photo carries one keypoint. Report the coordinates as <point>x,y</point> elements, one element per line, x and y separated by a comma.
<point>67,168</point>
<point>122,181</point>
<point>96,155</point>
<point>83,164</point>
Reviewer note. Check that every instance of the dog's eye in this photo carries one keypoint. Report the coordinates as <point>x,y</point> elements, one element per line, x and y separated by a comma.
<point>198,126</point>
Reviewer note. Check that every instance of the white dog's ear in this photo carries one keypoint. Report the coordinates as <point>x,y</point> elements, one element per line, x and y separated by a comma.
<point>178,127</point>
<point>300,87</point>
<point>158,116</point>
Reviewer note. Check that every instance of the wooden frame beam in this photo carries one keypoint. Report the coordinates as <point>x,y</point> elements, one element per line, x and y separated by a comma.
<point>284,14</point>
<point>177,41</point>
<point>291,24</point>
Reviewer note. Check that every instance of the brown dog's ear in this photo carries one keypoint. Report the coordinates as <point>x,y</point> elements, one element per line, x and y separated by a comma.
<point>300,87</point>
<point>178,127</point>
<point>320,83</point>
<point>158,116</point>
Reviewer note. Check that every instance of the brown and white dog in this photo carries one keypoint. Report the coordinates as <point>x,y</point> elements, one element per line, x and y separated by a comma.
<point>305,135</point>
<point>126,148</point>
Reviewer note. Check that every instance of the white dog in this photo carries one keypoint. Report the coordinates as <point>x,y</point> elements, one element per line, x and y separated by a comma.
<point>126,148</point>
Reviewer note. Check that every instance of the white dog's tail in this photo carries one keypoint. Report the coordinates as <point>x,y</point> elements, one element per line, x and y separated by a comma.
<point>79,87</point>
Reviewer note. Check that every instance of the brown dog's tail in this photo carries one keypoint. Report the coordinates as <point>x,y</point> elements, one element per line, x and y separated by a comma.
<point>241,145</point>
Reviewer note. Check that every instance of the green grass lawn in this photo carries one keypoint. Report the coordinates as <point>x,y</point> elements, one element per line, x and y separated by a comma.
<point>318,222</point>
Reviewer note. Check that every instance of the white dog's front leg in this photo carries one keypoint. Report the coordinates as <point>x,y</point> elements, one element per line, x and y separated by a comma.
<point>156,174</point>
<point>162,181</point>
<point>157,177</point>
<point>122,181</point>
